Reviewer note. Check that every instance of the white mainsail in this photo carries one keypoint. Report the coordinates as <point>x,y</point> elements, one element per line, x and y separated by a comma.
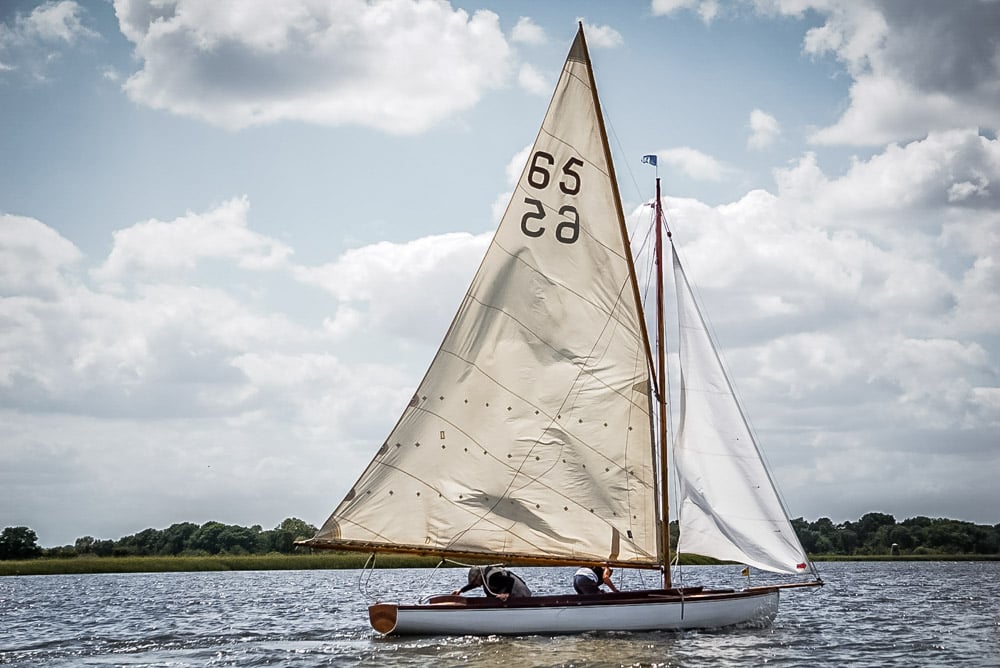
<point>728,507</point>
<point>530,433</point>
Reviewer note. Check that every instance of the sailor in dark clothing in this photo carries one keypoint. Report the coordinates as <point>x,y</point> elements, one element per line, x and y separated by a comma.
<point>588,580</point>
<point>496,581</point>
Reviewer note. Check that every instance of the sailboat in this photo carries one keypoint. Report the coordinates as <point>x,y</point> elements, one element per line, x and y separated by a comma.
<point>538,435</point>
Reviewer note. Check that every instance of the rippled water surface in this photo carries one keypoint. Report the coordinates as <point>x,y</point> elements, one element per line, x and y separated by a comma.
<point>868,614</point>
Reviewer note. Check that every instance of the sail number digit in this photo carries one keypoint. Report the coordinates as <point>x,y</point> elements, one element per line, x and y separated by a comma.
<point>539,177</point>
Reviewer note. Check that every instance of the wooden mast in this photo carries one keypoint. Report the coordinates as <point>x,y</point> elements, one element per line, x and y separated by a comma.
<point>661,372</point>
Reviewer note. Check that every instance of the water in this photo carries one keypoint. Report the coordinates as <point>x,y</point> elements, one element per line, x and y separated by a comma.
<point>869,614</point>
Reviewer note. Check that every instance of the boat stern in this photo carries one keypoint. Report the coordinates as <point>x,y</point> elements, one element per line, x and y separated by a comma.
<point>383,617</point>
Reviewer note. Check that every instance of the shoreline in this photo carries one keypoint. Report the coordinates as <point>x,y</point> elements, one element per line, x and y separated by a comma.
<point>331,561</point>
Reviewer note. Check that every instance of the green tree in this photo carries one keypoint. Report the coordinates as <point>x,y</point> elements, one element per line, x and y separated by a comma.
<point>103,548</point>
<point>872,530</point>
<point>176,538</point>
<point>282,537</point>
<point>84,545</point>
<point>19,543</point>
<point>299,529</point>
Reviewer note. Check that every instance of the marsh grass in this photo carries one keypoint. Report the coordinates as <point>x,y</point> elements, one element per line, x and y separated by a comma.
<point>263,562</point>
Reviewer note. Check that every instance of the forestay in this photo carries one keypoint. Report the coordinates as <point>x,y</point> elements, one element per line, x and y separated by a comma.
<point>728,506</point>
<point>530,433</point>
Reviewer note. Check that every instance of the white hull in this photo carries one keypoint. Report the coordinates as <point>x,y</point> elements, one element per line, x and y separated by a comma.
<point>627,611</point>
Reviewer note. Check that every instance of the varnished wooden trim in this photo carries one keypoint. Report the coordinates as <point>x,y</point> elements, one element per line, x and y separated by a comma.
<point>382,617</point>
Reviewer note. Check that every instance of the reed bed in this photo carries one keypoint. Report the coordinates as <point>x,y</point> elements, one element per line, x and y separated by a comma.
<point>263,562</point>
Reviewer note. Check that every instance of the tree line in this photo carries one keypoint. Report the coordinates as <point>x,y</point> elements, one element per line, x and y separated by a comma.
<point>182,539</point>
<point>879,533</point>
<point>873,534</point>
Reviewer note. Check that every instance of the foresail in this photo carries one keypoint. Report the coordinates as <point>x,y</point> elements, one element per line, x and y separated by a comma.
<point>728,507</point>
<point>530,433</point>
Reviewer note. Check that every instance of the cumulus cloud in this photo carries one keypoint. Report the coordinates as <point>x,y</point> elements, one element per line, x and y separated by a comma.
<point>33,258</point>
<point>916,66</point>
<point>602,37</point>
<point>160,248</point>
<point>694,163</point>
<point>706,9</point>
<point>399,66</point>
<point>527,31</point>
<point>764,129</point>
<point>174,393</point>
<point>531,80</point>
<point>31,41</point>
<point>408,289</point>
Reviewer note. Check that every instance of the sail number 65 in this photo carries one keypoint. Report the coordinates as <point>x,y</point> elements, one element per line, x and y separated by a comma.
<point>539,177</point>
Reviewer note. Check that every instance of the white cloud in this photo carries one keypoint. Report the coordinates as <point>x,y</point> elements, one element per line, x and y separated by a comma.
<point>32,41</point>
<point>161,248</point>
<point>407,290</point>
<point>694,163</point>
<point>33,258</point>
<point>181,394</point>
<point>706,9</point>
<point>527,31</point>
<point>922,176</point>
<point>531,80</point>
<point>399,66</point>
<point>764,129</point>
<point>49,22</point>
<point>916,67</point>
<point>602,37</point>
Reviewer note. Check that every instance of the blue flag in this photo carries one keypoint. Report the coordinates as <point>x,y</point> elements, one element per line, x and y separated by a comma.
<point>649,160</point>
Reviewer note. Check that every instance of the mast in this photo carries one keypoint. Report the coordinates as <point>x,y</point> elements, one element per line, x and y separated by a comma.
<point>617,195</point>
<point>662,392</point>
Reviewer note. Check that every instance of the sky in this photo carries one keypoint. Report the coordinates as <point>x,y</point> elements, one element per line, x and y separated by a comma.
<point>232,235</point>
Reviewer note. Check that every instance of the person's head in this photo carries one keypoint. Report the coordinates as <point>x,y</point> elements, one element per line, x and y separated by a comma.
<point>475,575</point>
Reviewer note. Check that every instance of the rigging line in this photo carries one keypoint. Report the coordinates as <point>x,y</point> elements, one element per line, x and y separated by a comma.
<point>621,151</point>
<point>363,580</point>
<point>425,599</point>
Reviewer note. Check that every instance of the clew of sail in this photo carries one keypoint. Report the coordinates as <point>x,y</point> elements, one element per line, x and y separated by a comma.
<point>529,436</point>
<point>728,507</point>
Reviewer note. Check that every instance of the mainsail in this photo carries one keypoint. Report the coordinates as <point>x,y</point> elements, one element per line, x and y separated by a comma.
<point>728,507</point>
<point>529,437</point>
